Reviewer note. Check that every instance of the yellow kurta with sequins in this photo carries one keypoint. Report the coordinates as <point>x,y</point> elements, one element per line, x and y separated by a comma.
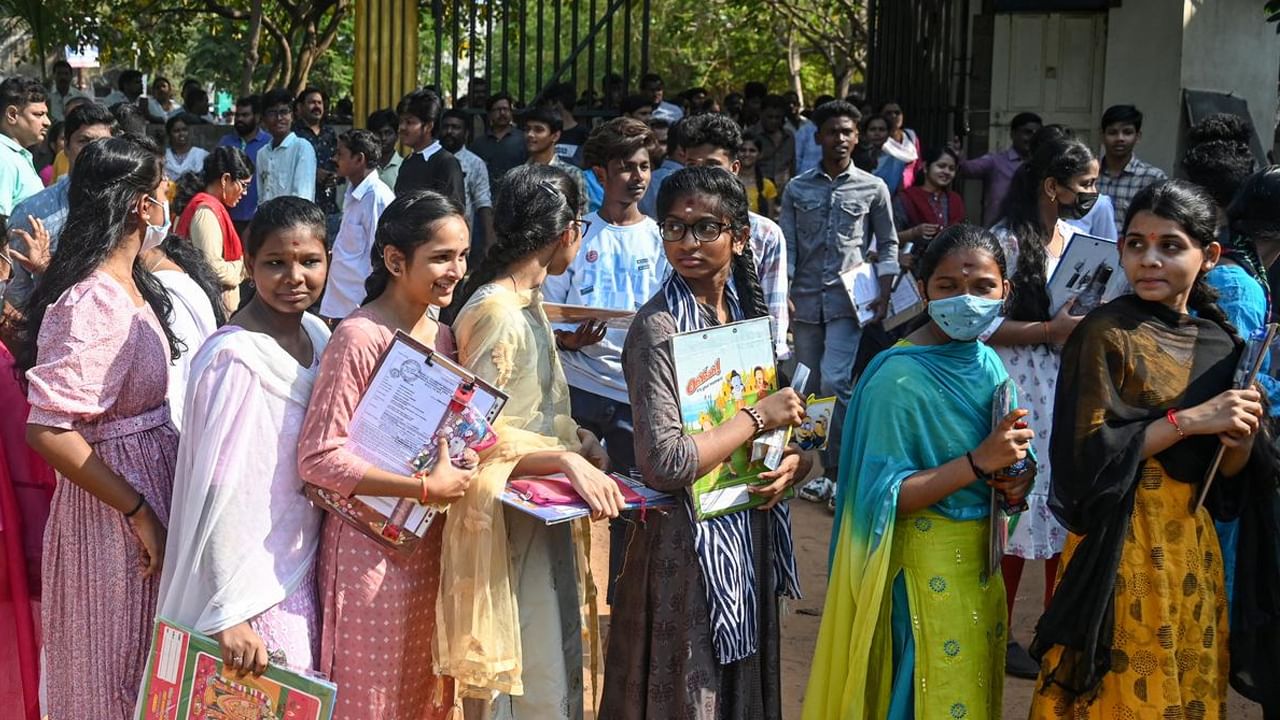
<point>1169,657</point>
<point>957,616</point>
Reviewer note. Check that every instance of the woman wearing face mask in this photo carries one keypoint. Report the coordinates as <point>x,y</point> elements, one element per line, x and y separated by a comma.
<point>202,203</point>
<point>928,206</point>
<point>1138,624</point>
<point>1054,185</point>
<point>96,349</point>
<point>912,624</point>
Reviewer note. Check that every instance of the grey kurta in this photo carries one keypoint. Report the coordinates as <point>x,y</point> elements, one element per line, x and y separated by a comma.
<point>660,663</point>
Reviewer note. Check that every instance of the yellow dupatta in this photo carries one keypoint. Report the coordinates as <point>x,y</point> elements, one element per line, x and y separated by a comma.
<point>505,338</point>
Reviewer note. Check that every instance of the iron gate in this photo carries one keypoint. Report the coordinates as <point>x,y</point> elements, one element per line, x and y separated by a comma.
<point>917,57</point>
<point>525,46</point>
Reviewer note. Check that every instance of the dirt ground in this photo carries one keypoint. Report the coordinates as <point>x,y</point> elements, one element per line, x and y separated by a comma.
<point>811,525</point>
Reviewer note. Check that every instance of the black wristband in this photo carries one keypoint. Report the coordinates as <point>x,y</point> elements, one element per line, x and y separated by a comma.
<point>977,471</point>
<point>142,500</point>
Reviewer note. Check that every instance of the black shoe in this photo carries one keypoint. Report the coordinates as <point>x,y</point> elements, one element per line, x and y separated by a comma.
<point>1019,663</point>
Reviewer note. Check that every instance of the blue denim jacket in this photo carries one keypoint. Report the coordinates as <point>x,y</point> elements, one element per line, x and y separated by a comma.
<point>829,224</point>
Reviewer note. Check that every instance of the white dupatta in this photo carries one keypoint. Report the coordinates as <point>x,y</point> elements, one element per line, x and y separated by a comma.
<point>906,151</point>
<point>241,534</point>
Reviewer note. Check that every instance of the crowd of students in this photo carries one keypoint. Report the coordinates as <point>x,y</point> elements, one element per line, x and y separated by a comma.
<point>177,369</point>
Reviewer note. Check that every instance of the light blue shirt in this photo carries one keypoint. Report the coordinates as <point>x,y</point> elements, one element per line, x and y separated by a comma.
<point>619,268</point>
<point>50,206</point>
<point>286,169</point>
<point>18,177</point>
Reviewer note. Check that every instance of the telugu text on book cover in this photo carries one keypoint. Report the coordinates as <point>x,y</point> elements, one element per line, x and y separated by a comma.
<point>719,371</point>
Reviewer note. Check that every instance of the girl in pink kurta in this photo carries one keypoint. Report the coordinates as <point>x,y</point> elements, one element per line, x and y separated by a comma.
<point>378,608</point>
<point>97,356</point>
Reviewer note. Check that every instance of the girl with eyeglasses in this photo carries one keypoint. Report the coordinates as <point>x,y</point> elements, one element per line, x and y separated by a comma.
<point>202,206</point>
<point>686,642</point>
<point>522,618</point>
<point>96,349</point>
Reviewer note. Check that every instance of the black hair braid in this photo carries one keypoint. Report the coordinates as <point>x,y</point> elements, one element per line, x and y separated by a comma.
<point>762,202</point>
<point>747,281</point>
<point>533,204</point>
<point>161,304</point>
<point>1029,286</point>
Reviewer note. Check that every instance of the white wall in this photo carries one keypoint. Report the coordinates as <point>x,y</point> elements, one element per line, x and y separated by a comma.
<point>1227,47</point>
<point>1145,50</point>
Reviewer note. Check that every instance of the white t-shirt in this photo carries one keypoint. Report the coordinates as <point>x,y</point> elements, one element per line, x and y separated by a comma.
<point>618,267</point>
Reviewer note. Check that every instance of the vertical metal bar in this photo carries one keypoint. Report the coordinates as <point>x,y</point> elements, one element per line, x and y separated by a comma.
<point>454,51</point>
<point>591,52</point>
<point>626,39</point>
<point>437,19</point>
<point>471,46</point>
<point>646,25</point>
<point>608,43</point>
<point>488,41</point>
<point>524,46</point>
<point>506,43</point>
<point>873,43</point>
<point>537,59</point>
<point>573,71</point>
<point>556,44</point>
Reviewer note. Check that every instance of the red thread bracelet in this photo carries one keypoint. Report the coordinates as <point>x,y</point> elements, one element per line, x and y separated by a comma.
<point>1174,422</point>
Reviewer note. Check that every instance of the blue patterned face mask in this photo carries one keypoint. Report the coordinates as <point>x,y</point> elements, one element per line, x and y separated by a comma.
<point>965,317</point>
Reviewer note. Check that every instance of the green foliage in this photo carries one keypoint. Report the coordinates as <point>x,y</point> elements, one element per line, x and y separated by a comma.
<point>1272,11</point>
<point>716,44</point>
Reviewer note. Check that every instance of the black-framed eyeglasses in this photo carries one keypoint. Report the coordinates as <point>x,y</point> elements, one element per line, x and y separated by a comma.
<point>277,112</point>
<point>704,231</point>
<point>584,226</point>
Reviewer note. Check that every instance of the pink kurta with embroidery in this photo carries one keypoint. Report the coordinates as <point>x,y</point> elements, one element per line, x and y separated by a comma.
<point>101,370</point>
<point>378,609</point>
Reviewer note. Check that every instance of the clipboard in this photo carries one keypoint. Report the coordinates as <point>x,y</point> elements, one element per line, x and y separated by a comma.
<point>1255,351</point>
<point>398,414</point>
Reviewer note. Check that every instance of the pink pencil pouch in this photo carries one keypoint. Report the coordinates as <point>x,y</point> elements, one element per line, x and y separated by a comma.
<point>557,490</point>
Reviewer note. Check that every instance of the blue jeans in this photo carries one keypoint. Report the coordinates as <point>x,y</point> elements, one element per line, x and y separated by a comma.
<point>829,349</point>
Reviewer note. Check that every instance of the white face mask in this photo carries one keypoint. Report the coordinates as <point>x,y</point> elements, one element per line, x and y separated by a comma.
<point>156,233</point>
